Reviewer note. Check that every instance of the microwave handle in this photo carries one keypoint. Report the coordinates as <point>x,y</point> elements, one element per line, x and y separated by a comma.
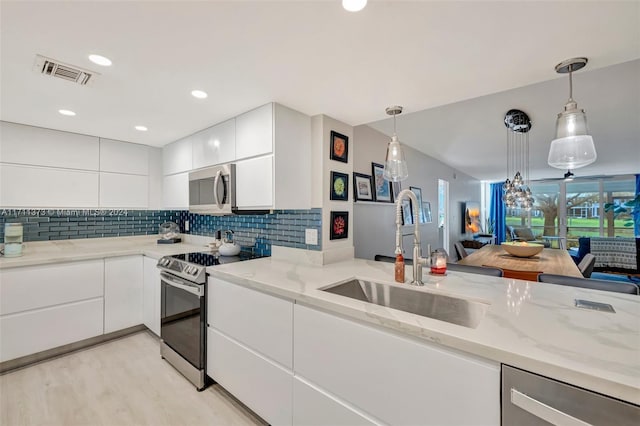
<point>216,181</point>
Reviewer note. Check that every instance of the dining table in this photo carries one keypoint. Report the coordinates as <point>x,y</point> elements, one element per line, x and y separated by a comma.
<point>549,261</point>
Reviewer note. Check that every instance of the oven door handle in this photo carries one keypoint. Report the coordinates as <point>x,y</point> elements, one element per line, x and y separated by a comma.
<point>182,285</point>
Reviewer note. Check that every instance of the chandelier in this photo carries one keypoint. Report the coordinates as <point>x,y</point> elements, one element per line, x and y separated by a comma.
<point>516,191</point>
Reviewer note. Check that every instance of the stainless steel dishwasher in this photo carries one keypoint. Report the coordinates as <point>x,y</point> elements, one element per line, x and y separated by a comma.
<point>529,399</point>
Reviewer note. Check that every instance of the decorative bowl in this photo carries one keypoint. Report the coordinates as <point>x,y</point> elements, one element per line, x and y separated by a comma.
<point>522,248</point>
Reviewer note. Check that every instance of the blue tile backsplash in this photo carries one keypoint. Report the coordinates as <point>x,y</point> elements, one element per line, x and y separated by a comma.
<point>259,232</point>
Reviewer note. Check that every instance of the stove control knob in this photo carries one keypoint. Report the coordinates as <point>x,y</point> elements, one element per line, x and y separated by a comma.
<point>194,270</point>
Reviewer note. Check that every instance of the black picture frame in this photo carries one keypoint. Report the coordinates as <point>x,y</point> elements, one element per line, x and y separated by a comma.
<point>418,192</point>
<point>362,187</point>
<point>339,225</point>
<point>339,190</point>
<point>381,187</point>
<point>339,147</point>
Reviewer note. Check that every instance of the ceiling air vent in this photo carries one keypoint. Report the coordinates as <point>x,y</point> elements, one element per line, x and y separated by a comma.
<point>55,68</point>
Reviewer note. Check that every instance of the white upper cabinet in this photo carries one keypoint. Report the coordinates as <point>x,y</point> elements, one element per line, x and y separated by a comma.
<point>175,191</point>
<point>125,191</point>
<point>123,157</point>
<point>22,144</point>
<point>215,145</point>
<point>254,132</point>
<point>43,187</point>
<point>176,157</point>
<point>281,180</point>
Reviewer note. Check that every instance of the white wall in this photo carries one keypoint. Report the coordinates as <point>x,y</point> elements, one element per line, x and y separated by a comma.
<point>374,231</point>
<point>44,168</point>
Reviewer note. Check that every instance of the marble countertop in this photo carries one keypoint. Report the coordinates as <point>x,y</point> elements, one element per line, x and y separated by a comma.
<point>530,325</point>
<point>47,252</point>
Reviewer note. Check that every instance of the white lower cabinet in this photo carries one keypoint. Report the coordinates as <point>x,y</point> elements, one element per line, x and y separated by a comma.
<point>123,283</point>
<point>313,407</point>
<point>391,378</point>
<point>151,295</point>
<point>43,307</point>
<point>256,381</point>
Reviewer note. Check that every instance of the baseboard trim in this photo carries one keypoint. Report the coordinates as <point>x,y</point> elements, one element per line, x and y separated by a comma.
<point>27,360</point>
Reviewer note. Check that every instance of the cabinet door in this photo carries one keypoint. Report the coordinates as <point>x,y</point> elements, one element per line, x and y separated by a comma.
<point>215,145</point>
<point>254,132</point>
<point>391,377</point>
<point>312,407</point>
<point>44,187</point>
<point>254,183</point>
<point>260,384</point>
<point>151,295</point>
<point>20,144</point>
<point>177,157</point>
<point>124,157</point>
<point>175,191</point>
<point>28,332</point>
<point>123,282</point>
<point>262,322</point>
<point>124,191</point>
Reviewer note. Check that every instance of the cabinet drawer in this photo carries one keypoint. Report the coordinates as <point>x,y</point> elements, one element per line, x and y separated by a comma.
<point>394,379</point>
<point>34,287</point>
<point>260,384</point>
<point>262,322</point>
<point>26,333</point>
<point>312,407</point>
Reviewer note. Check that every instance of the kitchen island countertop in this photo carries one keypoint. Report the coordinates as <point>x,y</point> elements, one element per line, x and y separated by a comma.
<point>529,325</point>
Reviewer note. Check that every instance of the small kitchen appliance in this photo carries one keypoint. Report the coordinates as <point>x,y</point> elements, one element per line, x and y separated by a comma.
<point>12,239</point>
<point>183,311</point>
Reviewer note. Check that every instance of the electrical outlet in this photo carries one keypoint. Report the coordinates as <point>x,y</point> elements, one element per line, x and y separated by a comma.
<point>311,236</point>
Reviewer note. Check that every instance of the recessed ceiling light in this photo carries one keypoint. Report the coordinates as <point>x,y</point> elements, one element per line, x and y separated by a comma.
<point>141,128</point>
<point>354,5</point>
<point>100,60</point>
<point>66,112</point>
<point>199,94</point>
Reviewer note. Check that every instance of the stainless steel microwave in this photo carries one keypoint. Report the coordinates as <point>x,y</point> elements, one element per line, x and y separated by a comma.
<point>213,190</point>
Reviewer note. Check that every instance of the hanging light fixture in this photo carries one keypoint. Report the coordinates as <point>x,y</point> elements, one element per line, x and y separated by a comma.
<point>573,146</point>
<point>395,165</point>
<point>517,192</point>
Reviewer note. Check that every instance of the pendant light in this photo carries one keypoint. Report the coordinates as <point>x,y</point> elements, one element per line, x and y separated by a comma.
<point>517,193</point>
<point>573,146</point>
<point>395,165</point>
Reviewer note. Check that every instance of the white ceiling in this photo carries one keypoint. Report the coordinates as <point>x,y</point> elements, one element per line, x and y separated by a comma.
<point>311,56</point>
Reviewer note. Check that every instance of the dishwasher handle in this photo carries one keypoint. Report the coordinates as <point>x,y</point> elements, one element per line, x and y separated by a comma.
<point>196,289</point>
<point>544,411</point>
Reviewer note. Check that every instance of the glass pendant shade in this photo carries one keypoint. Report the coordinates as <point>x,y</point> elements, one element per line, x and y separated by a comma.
<point>572,152</point>
<point>395,164</point>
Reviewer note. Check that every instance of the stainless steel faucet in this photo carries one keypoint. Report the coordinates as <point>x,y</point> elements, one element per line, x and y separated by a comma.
<point>418,260</point>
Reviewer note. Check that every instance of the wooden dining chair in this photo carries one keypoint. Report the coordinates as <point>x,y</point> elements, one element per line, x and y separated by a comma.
<point>460,251</point>
<point>521,275</point>
<point>615,286</point>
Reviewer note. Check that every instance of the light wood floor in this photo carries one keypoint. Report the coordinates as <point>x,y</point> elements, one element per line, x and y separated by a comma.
<point>122,382</point>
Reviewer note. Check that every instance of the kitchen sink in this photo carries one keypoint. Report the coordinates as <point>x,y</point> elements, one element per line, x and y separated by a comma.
<point>467,313</point>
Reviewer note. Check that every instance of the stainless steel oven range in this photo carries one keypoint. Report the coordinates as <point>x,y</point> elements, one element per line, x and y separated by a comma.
<point>183,311</point>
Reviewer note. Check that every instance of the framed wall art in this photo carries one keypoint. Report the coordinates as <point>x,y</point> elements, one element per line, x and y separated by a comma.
<point>426,208</point>
<point>471,217</point>
<point>418,193</point>
<point>381,186</point>
<point>339,186</point>
<point>339,147</point>
<point>407,215</point>
<point>362,190</point>
<point>339,223</point>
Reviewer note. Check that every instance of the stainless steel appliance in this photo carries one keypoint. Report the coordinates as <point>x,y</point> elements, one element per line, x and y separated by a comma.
<point>183,311</point>
<point>213,190</point>
<point>529,399</point>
